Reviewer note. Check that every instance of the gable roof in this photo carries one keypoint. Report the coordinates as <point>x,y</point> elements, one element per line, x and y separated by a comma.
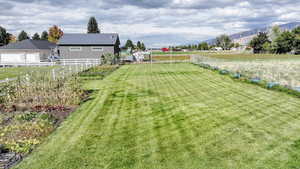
<point>89,39</point>
<point>30,44</point>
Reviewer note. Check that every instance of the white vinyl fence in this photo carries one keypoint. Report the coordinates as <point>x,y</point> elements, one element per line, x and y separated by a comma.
<point>61,68</point>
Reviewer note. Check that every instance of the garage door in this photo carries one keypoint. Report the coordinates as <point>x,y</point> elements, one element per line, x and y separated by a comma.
<point>32,57</point>
<point>20,58</point>
<point>12,57</point>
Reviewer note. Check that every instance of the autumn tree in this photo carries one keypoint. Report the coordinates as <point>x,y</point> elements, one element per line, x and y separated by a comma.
<point>54,34</point>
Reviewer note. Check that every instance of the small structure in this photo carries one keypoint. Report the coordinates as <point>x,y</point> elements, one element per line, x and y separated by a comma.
<point>88,46</point>
<point>27,51</point>
<point>217,49</point>
<point>165,49</point>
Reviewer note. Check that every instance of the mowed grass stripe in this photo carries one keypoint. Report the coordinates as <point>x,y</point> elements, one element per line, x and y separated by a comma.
<point>169,116</point>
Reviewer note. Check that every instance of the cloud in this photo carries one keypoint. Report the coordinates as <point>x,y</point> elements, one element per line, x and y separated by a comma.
<point>155,22</point>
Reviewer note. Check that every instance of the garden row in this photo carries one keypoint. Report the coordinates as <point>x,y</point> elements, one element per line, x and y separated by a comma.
<point>32,106</point>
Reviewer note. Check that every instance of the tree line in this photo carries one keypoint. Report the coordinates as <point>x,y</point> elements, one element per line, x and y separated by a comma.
<point>130,45</point>
<point>52,35</point>
<point>277,41</point>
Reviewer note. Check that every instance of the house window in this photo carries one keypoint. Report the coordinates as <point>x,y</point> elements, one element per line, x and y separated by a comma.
<point>75,49</point>
<point>97,49</point>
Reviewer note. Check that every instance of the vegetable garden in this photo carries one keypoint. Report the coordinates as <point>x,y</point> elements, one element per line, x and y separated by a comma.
<point>36,101</point>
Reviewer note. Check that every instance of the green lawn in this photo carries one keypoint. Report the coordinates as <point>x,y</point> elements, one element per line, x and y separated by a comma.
<point>175,116</point>
<point>12,72</point>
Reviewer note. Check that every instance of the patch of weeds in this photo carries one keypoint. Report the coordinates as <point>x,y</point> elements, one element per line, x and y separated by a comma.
<point>256,81</point>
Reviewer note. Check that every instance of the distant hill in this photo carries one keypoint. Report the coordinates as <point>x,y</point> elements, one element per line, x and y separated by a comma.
<point>245,37</point>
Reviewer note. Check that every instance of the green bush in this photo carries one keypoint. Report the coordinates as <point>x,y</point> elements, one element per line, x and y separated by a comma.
<point>28,116</point>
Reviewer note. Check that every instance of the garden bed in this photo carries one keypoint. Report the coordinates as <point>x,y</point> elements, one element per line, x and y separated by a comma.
<point>30,111</point>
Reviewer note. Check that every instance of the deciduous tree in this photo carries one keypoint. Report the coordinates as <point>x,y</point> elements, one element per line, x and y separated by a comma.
<point>296,44</point>
<point>224,42</point>
<point>129,44</point>
<point>257,43</point>
<point>54,34</point>
<point>284,43</point>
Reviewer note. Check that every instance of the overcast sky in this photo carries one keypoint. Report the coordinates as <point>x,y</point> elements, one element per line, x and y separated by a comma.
<point>156,22</point>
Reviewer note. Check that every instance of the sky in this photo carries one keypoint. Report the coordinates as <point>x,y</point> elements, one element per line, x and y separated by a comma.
<point>157,23</point>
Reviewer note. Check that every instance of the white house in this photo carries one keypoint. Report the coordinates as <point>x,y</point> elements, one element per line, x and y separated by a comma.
<point>26,51</point>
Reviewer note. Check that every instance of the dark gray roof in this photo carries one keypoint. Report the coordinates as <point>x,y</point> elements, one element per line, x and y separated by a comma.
<point>89,39</point>
<point>30,44</point>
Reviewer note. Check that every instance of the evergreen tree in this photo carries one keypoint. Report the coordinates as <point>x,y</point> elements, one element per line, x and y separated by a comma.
<point>23,36</point>
<point>36,36</point>
<point>44,35</point>
<point>93,26</point>
<point>139,45</point>
<point>54,34</point>
<point>257,43</point>
<point>143,47</point>
<point>4,36</point>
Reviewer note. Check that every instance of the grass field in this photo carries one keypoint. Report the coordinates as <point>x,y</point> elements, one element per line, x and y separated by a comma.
<point>241,56</point>
<point>170,57</point>
<point>11,72</point>
<point>175,116</point>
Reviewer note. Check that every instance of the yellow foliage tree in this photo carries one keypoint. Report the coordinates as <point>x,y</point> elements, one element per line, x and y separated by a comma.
<point>54,34</point>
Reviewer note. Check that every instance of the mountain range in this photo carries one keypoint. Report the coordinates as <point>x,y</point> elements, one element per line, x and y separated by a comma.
<point>245,37</point>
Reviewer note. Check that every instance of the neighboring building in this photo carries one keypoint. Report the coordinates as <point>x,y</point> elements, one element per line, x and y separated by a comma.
<point>27,51</point>
<point>88,46</point>
<point>217,49</point>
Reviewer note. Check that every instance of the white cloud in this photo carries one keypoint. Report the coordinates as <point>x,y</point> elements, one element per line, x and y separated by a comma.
<point>170,21</point>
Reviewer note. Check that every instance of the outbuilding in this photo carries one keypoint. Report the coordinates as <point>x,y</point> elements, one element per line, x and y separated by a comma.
<point>26,51</point>
<point>88,46</point>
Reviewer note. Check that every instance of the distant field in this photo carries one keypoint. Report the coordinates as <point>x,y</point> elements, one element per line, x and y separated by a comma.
<point>241,56</point>
<point>171,57</point>
<point>168,53</point>
<point>12,72</point>
<point>186,53</point>
<point>229,55</point>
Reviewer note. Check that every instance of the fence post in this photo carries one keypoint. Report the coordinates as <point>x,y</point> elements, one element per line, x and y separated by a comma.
<point>53,74</point>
